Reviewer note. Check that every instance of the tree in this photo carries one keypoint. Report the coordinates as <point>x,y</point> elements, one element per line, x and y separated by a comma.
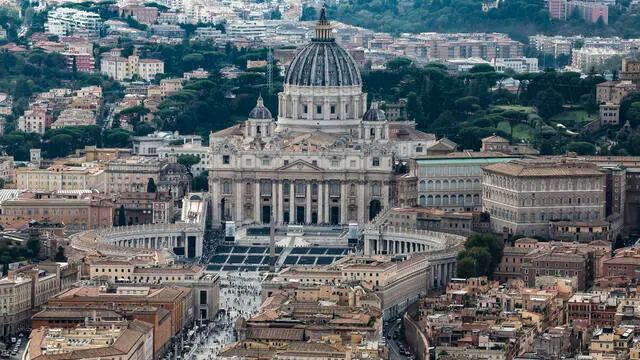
<point>582,148</point>
<point>481,255</point>
<point>122,216</point>
<point>151,186</point>
<point>308,13</point>
<point>399,63</point>
<point>60,257</point>
<point>549,102</point>
<point>200,182</point>
<point>188,161</point>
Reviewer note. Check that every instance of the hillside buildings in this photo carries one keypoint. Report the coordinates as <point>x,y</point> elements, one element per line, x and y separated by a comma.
<point>64,21</point>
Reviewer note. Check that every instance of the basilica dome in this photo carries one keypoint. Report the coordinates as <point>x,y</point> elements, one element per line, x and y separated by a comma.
<point>323,62</point>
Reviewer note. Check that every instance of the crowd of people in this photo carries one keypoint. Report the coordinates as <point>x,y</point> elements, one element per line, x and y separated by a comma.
<point>239,297</point>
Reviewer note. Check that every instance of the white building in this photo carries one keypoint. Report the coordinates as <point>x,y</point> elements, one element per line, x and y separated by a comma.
<point>586,58</point>
<point>66,21</point>
<point>33,121</point>
<point>519,65</point>
<point>246,29</point>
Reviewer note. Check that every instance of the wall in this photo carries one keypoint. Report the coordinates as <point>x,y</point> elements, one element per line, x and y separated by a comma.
<point>415,338</point>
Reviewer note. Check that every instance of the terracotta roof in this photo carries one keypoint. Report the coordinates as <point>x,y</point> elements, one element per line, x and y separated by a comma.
<point>72,313</point>
<point>530,168</point>
<point>495,139</point>
<point>259,333</point>
<point>400,132</point>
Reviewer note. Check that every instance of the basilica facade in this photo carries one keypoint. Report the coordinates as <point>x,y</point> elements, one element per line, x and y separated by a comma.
<point>328,158</point>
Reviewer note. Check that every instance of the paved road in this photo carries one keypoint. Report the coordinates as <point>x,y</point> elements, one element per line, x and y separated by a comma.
<point>394,351</point>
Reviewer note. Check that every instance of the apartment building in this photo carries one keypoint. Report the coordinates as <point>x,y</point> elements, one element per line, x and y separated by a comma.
<point>64,21</point>
<point>33,121</point>
<point>586,58</point>
<point>524,196</point>
<point>61,177</point>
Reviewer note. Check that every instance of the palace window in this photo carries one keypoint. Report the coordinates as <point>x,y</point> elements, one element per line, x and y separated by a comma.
<point>376,161</point>
<point>226,159</point>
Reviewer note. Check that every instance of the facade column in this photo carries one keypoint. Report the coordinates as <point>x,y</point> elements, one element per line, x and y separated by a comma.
<point>238,202</point>
<point>294,107</point>
<point>327,203</point>
<point>361,203</point>
<point>367,247</point>
<point>256,206</point>
<point>320,202</point>
<point>385,195</point>
<point>292,202</point>
<point>280,208</point>
<point>307,211</point>
<point>343,202</point>
<point>214,188</point>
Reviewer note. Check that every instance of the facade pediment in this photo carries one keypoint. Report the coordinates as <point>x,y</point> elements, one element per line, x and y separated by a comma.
<point>300,165</point>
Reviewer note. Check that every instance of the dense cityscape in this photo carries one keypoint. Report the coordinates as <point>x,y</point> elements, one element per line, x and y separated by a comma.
<point>297,179</point>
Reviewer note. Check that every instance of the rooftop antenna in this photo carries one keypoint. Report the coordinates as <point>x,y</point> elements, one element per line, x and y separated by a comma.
<point>269,72</point>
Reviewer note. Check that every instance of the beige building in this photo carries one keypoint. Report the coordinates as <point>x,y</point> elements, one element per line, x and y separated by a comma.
<point>131,174</point>
<point>25,290</point>
<point>206,286</point>
<point>170,86</point>
<point>115,340</point>
<point>397,283</point>
<point>524,196</point>
<point>610,94</point>
<point>33,121</point>
<point>121,68</point>
<point>61,177</point>
<point>7,169</point>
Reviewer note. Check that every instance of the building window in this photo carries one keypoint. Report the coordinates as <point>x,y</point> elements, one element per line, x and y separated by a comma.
<point>376,161</point>
<point>319,109</point>
<point>333,109</point>
<point>286,162</point>
<point>226,188</point>
<point>305,109</point>
<point>375,189</point>
<point>299,188</point>
<point>226,159</point>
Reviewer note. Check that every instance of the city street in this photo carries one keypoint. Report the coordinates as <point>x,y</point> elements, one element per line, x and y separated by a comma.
<point>393,345</point>
<point>239,296</point>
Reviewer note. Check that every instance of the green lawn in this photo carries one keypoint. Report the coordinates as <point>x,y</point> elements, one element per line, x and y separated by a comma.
<point>520,131</point>
<point>577,117</point>
<point>527,109</point>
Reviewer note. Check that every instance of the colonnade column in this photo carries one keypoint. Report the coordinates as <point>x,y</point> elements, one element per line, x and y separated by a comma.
<point>307,211</point>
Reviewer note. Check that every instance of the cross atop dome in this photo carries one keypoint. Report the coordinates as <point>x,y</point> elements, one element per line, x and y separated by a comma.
<point>324,32</point>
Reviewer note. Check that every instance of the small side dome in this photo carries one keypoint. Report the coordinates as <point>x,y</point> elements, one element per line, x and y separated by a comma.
<point>374,113</point>
<point>260,111</point>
